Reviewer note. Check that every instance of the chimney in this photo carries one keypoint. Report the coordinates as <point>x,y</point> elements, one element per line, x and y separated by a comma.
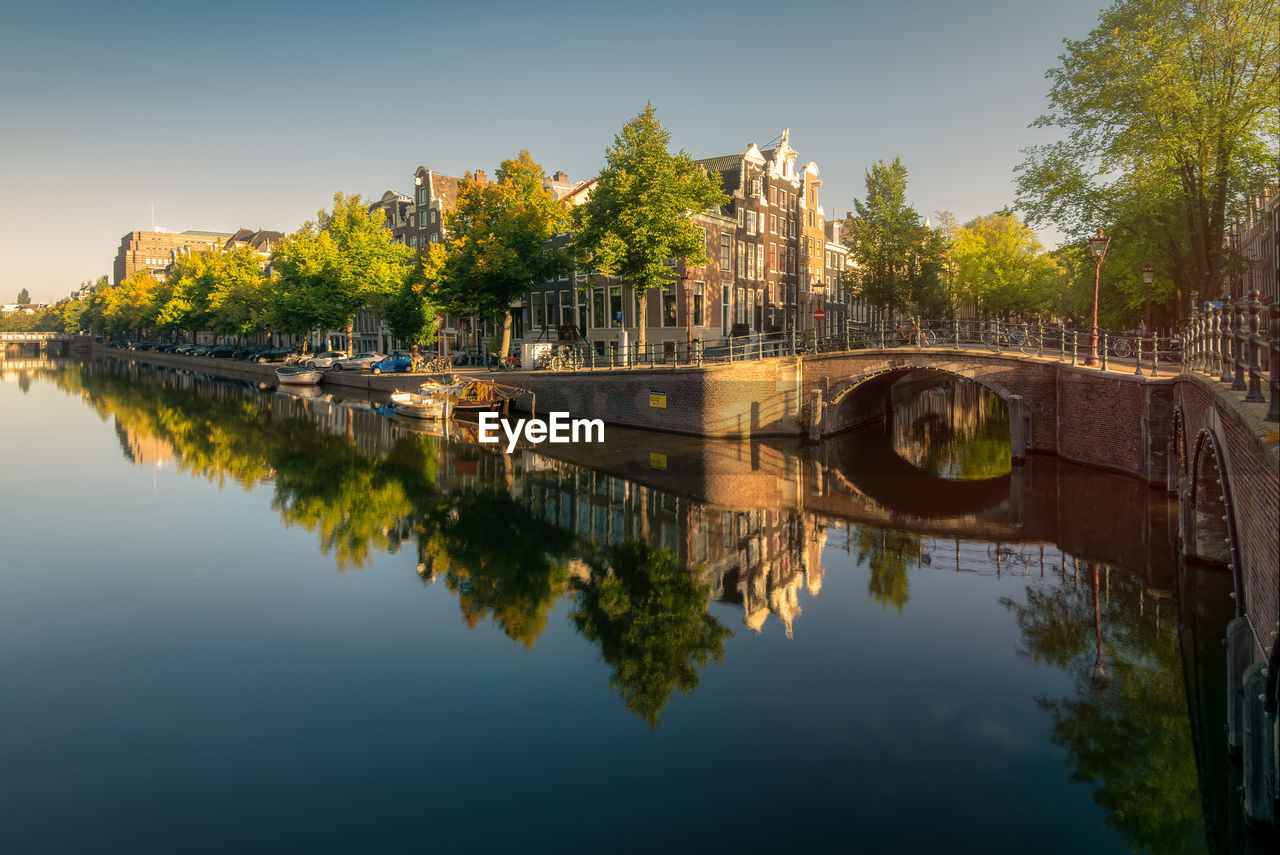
<point>481,178</point>
<point>561,177</point>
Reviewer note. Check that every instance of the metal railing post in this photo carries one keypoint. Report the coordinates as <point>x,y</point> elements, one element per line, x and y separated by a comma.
<point>1273,412</point>
<point>1155,354</point>
<point>882,326</point>
<point>956,331</point>
<point>1238,344</point>
<point>1040,336</point>
<point>1138,371</point>
<point>1062,342</point>
<point>1254,395</point>
<point>1104,351</point>
<point>1225,339</point>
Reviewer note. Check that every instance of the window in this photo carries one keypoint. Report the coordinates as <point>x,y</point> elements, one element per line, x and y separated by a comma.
<point>751,222</point>
<point>773,256</point>
<point>539,319</point>
<point>724,309</point>
<point>742,306</point>
<point>742,218</point>
<point>773,224</point>
<point>742,260</point>
<point>422,195</point>
<point>699,304</point>
<point>751,263</point>
<point>726,254</point>
<point>433,215</point>
<point>435,238</point>
<point>791,260</point>
<point>669,306</point>
<point>413,240</point>
<point>597,308</point>
<point>811,216</point>
<point>760,259</point>
<point>615,306</point>
<point>566,309</point>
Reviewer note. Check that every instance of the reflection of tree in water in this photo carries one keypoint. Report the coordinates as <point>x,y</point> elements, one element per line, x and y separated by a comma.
<point>1125,728</point>
<point>650,617</point>
<point>499,560</point>
<point>888,554</point>
<point>955,429</point>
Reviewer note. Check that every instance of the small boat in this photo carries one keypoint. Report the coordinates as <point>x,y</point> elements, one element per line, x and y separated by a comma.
<point>292,375</point>
<point>474,395</point>
<point>422,406</point>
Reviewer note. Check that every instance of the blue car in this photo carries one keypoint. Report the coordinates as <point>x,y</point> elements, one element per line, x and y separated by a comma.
<point>392,364</point>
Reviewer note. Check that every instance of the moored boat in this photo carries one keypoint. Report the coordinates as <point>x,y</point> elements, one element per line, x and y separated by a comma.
<point>435,408</point>
<point>292,375</point>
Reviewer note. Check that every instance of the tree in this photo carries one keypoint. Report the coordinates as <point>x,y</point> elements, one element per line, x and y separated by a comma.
<point>331,268</point>
<point>637,222</point>
<point>1169,114</point>
<point>24,299</point>
<point>1002,268</point>
<point>501,243</point>
<point>900,261</point>
<point>411,312</point>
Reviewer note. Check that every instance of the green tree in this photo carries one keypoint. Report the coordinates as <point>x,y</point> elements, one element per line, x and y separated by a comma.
<point>1169,113</point>
<point>1001,267</point>
<point>24,299</point>
<point>501,240</point>
<point>637,222</point>
<point>650,617</point>
<point>412,311</point>
<point>900,261</point>
<point>238,298</point>
<point>331,268</point>
<point>73,316</point>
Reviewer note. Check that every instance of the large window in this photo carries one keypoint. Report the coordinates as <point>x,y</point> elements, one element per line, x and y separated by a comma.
<point>724,309</point>
<point>751,263</point>
<point>566,309</point>
<point>742,260</point>
<point>760,259</point>
<point>669,306</point>
<point>597,309</point>
<point>751,222</point>
<point>539,315</point>
<point>726,254</point>
<point>615,306</point>
<point>773,224</point>
<point>699,304</point>
<point>742,306</point>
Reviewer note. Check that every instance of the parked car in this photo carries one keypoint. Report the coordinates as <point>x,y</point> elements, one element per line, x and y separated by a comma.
<point>163,348</point>
<point>200,350</point>
<point>276,354</point>
<point>324,360</point>
<point>223,351</point>
<point>359,360</point>
<point>249,353</point>
<point>392,364</point>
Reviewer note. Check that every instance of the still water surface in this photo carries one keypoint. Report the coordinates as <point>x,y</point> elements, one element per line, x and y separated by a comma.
<point>234,620</point>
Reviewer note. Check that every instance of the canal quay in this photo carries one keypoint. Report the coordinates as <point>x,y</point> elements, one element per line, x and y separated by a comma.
<point>239,618</point>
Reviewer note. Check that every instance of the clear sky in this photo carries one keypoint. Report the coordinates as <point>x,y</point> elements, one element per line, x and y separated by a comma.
<point>252,114</point>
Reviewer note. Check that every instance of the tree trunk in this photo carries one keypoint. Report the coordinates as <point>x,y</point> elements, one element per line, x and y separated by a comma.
<point>506,334</point>
<point>642,318</point>
<point>351,334</point>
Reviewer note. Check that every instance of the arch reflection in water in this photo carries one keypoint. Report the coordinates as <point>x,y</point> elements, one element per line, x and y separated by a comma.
<point>941,451</point>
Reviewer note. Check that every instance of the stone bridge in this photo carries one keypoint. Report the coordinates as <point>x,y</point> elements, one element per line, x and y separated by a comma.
<point>19,344</point>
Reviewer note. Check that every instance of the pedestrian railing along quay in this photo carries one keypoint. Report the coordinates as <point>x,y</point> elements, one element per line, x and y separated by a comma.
<point>1234,344</point>
<point>1130,353</point>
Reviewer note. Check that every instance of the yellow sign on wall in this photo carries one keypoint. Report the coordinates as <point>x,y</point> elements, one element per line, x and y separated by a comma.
<point>657,461</point>
<point>658,399</point>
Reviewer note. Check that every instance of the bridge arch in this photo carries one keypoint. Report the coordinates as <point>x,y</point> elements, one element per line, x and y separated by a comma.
<point>1212,532</point>
<point>860,398</point>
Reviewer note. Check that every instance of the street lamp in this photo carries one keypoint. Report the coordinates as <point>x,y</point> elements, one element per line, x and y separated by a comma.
<point>1148,276</point>
<point>1098,244</point>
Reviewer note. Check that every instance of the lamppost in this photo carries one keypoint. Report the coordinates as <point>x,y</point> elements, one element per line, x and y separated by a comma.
<point>1148,276</point>
<point>1098,246</point>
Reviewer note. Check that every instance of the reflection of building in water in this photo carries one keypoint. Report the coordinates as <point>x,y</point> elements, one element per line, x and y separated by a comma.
<point>953,428</point>
<point>760,559</point>
<point>143,448</point>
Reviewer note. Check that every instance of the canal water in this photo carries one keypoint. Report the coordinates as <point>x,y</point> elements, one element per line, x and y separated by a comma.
<point>250,621</point>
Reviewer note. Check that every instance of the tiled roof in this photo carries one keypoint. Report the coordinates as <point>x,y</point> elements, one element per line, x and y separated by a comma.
<point>720,164</point>
<point>199,233</point>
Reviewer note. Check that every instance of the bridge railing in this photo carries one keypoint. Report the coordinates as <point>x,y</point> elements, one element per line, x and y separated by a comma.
<point>1130,352</point>
<point>1237,344</point>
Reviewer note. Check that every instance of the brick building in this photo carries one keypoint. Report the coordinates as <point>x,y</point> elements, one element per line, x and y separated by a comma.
<point>1260,246</point>
<point>155,251</point>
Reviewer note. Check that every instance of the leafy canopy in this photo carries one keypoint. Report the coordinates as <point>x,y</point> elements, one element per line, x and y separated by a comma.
<point>637,219</point>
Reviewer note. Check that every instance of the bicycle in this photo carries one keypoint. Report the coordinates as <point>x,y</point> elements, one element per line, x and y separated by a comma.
<point>565,358</point>
<point>510,362</point>
<point>910,335</point>
<point>436,365</point>
<point>1008,338</point>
